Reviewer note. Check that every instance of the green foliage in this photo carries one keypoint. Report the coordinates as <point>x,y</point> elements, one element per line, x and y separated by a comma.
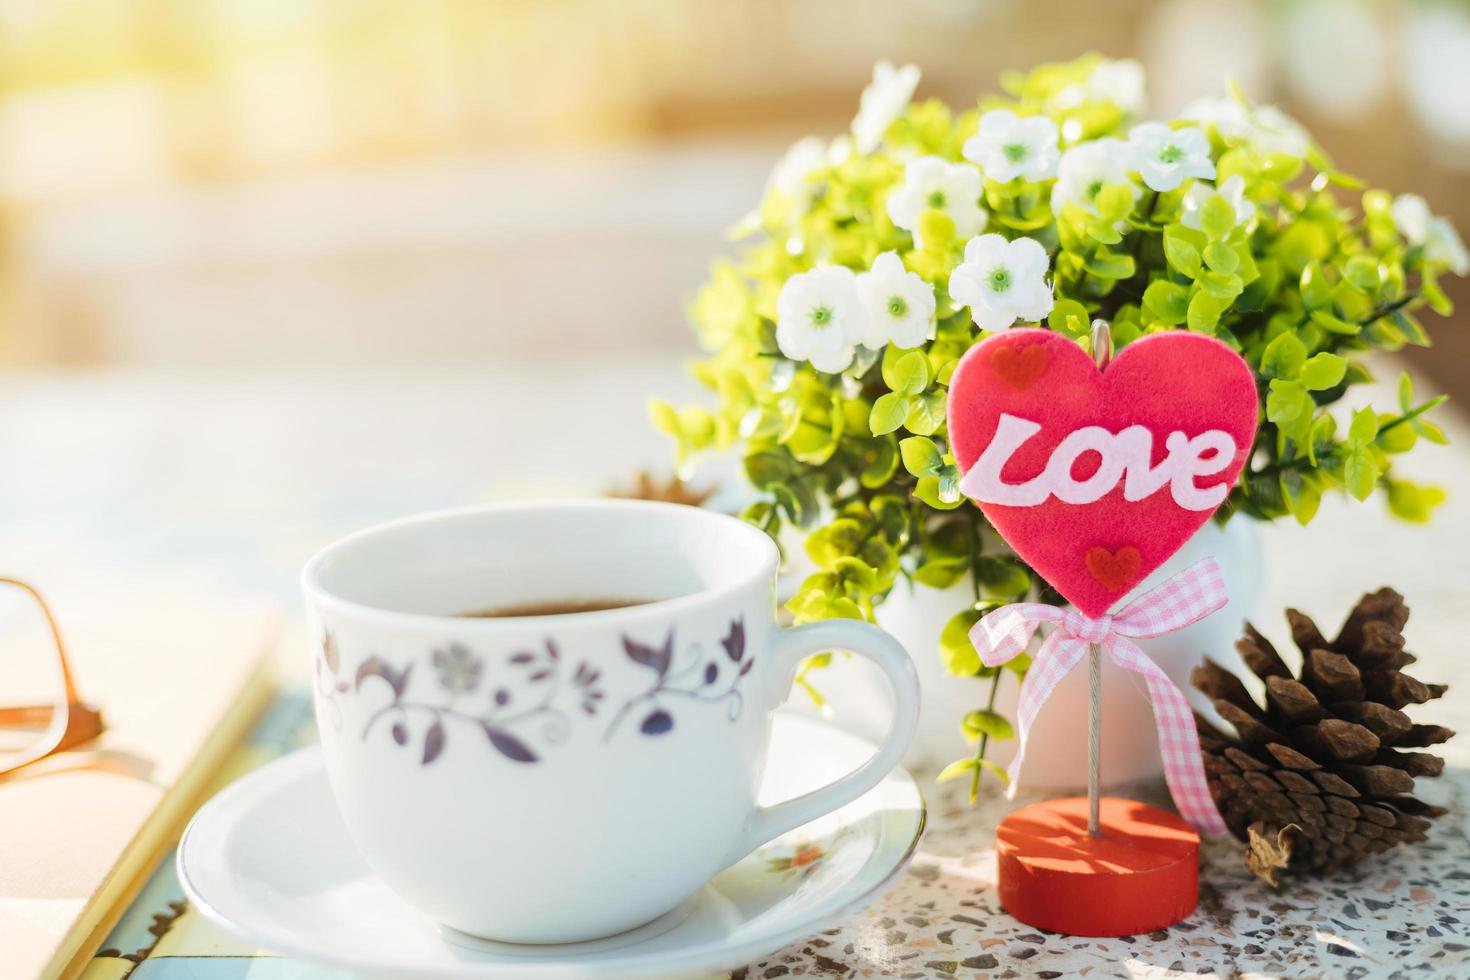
<point>1307,279</point>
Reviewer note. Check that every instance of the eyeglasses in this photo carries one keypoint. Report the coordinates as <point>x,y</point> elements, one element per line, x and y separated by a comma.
<point>33,661</point>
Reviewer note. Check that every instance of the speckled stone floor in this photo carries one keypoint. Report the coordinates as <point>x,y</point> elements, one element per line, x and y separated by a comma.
<point>1402,914</point>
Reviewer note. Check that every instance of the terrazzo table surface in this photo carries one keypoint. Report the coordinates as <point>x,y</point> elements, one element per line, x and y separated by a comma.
<point>124,477</point>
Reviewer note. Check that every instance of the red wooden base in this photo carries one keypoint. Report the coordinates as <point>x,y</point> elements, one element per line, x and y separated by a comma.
<point>1140,874</point>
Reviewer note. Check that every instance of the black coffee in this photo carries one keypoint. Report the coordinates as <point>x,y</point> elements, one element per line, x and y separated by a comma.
<point>553,607</point>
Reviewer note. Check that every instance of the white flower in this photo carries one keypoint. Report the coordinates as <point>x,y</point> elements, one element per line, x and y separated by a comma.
<point>1233,190</point>
<point>1166,157</point>
<point>820,318</point>
<point>793,172</point>
<point>931,182</point>
<point>1120,82</point>
<point>1002,282</point>
<point>1419,226</point>
<point>1009,146</point>
<point>883,101</point>
<point>1265,127</point>
<point>1086,169</point>
<point>900,304</point>
<point>1276,132</point>
<point>790,174</point>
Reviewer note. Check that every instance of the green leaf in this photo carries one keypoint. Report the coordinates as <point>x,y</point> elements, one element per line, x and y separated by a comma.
<point>1286,402</point>
<point>1221,257</point>
<point>1110,265</point>
<point>767,469</point>
<point>888,413</point>
<point>1362,271</point>
<point>958,768</point>
<point>1168,302</point>
<point>941,573</point>
<point>1316,290</point>
<point>1283,357</point>
<point>1429,430</point>
<point>911,373</point>
<point>1003,577</point>
<point>1398,439</point>
<point>920,456</point>
<point>1360,474</point>
<point>1217,217</point>
<point>1409,325</point>
<point>892,514</point>
<point>891,356</point>
<point>1182,253</point>
<point>936,230</point>
<point>1069,317</point>
<point>882,457</point>
<point>1364,427</point>
<point>697,425</point>
<point>1411,502</point>
<point>936,494</point>
<point>1223,286</point>
<point>986,721</point>
<point>955,647</point>
<point>883,559</point>
<point>926,413</point>
<point>664,416</point>
<point>1102,231</point>
<point>856,575</point>
<point>1405,391</point>
<point>798,501</point>
<point>840,539</point>
<point>1303,495</point>
<point>1300,243</point>
<point>1323,371</point>
<point>1324,428</point>
<point>1333,324</point>
<point>811,444</point>
<point>1204,313</point>
<point>1114,202</point>
<point>966,767</point>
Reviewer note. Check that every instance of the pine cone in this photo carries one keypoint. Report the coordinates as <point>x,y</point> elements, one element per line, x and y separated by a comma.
<point>671,490</point>
<point>1317,777</point>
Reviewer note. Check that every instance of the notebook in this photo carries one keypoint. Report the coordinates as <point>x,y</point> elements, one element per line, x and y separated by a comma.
<point>179,682</point>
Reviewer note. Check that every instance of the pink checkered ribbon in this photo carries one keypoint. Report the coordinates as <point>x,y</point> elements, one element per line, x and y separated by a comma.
<point>1184,599</point>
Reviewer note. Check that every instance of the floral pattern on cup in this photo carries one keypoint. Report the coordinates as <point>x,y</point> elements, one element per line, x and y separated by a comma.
<point>519,702</point>
<point>329,684</point>
<point>701,678</point>
<point>801,857</point>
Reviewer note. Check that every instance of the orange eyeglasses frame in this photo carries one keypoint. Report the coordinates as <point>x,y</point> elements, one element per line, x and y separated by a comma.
<point>69,723</point>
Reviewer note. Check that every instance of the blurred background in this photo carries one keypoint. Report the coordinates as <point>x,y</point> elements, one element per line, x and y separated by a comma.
<point>271,270</point>
<point>258,183</point>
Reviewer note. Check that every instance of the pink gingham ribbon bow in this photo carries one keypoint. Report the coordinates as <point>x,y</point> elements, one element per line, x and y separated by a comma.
<point>1184,599</point>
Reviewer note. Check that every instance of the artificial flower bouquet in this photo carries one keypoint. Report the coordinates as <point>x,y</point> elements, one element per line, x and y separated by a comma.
<point>877,259</point>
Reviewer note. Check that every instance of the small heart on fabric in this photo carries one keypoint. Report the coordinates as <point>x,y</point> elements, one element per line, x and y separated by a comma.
<point>1018,365</point>
<point>1114,570</point>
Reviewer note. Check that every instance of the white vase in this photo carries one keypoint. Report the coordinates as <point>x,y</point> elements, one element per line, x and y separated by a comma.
<point>1056,755</point>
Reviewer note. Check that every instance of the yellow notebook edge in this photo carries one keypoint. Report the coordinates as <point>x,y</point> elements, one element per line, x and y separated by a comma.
<point>163,830</point>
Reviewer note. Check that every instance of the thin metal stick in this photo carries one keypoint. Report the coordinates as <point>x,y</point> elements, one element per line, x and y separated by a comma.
<point>1102,353</point>
<point>1094,738</point>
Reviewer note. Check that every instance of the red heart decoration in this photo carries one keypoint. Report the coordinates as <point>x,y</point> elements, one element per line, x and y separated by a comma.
<point>1113,569</point>
<point>1019,364</point>
<point>1186,401</point>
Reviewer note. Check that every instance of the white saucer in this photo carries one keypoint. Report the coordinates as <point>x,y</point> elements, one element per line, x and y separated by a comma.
<point>269,860</point>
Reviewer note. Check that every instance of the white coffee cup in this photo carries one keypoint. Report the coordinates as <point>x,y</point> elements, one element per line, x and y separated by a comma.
<point>550,779</point>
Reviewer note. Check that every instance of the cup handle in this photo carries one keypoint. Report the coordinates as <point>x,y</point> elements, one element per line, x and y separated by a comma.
<point>791,647</point>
